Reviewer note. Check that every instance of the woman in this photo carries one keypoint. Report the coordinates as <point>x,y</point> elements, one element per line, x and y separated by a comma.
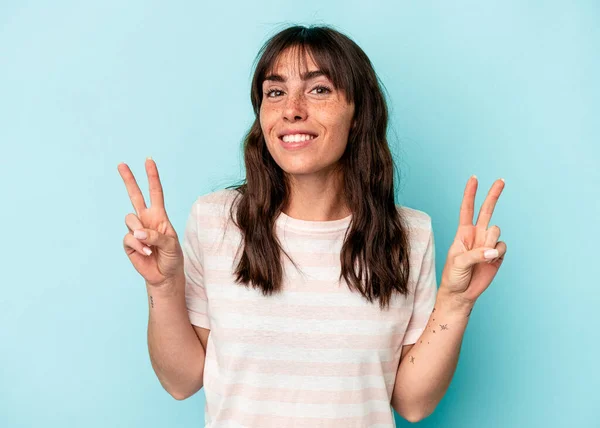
<point>305,296</point>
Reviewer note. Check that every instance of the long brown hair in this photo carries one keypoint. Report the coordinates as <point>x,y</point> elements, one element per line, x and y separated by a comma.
<point>376,241</point>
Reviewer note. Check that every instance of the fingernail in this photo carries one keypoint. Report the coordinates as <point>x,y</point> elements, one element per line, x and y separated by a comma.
<point>147,250</point>
<point>140,234</point>
<point>490,254</point>
<point>149,158</point>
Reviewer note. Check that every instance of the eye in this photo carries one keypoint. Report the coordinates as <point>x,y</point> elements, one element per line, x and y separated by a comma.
<point>324,88</point>
<point>268,93</point>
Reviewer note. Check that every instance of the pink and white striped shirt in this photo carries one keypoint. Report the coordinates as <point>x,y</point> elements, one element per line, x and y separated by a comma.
<point>316,355</point>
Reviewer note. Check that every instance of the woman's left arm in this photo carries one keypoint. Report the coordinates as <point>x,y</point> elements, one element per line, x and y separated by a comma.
<point>425,373</point>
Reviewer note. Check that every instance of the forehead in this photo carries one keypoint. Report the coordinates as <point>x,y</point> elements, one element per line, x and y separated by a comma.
<point>293,61</point>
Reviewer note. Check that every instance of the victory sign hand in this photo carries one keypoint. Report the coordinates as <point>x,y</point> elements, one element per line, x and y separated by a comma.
<point>152,243</point>
<point>476,254</point>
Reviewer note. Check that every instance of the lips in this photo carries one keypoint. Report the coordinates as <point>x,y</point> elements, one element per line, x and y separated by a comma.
<point>296,131</point>
<point>296,144</point>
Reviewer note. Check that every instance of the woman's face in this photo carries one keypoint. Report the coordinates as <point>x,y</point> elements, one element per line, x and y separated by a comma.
<point>295,103</point>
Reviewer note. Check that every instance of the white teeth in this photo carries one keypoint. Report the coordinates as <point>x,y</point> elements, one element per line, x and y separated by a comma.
<point>296,138</point>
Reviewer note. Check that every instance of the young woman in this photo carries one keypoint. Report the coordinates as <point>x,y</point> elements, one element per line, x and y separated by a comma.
<point>305,296</point>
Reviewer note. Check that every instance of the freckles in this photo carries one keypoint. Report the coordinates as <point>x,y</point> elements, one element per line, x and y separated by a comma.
<point>268,116</point>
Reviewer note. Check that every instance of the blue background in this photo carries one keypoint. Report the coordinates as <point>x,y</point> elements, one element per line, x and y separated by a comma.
<point>498,89</point>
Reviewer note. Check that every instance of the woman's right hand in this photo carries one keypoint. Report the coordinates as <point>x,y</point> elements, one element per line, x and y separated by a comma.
<point>165,263</point>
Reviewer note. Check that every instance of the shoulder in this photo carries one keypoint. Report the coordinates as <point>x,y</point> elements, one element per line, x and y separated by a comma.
<point>212,212</point>
<point>215,203</point>
<point>415,219</point>
<point>419,229</point>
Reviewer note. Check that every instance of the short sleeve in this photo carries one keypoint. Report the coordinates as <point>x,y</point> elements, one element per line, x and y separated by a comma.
<point>425,293</point>
<point>195,293</point>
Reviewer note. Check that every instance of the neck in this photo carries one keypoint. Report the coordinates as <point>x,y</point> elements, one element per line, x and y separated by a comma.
<point>317,199</point>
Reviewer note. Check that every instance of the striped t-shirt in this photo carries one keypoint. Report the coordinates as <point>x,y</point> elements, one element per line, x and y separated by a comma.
<point>316,355</point>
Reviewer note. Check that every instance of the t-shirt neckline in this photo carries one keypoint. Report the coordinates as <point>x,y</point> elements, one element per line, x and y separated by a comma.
<point>288,222</point>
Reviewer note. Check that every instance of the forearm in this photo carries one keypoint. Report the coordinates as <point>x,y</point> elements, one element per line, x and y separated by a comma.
<point>427,370</point>
<point>176,354</point>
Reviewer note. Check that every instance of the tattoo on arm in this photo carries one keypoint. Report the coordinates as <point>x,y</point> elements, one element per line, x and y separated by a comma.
<point>444,326</point>
<point>151,301</point>
<point>412,359</point>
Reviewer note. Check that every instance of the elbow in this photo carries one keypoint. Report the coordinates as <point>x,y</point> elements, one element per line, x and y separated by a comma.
<point>177,395</point>
<point>412,415</point>
<point>417,417</point>
<point>413,418</point>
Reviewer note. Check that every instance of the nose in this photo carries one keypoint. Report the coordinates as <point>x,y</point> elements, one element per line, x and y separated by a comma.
<point>295,107</point>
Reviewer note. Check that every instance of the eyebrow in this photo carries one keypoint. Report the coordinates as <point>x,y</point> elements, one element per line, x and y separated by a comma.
<point>305,76</point>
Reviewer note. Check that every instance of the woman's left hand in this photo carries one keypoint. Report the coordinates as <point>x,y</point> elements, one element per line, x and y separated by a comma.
<point>467,273</point>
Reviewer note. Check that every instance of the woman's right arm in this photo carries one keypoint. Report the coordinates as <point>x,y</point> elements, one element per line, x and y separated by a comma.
<point>176,351</point>
<point>152,245</point>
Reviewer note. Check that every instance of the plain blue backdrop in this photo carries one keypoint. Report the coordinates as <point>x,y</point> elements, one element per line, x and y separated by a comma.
<point>498,89</point>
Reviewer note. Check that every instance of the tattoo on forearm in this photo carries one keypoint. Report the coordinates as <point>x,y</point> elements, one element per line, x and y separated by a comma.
<point>151,301</point>
<point>412,359</point>
<point>444,326</point>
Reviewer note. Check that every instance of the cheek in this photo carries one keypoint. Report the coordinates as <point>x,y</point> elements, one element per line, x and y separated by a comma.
<point>336,116</point>
<point>267,119</point>
<point>339,126</point>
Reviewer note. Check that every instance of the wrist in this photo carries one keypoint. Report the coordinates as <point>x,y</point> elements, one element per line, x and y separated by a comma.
<point>453,303</point>
<point>168,288</point>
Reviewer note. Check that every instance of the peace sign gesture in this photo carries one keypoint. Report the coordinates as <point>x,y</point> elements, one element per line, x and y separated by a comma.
<point>467,272</point>
<point>152,243</point>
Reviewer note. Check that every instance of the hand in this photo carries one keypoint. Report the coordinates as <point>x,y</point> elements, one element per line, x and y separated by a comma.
<point>467,273</point>
<point>165,263</point>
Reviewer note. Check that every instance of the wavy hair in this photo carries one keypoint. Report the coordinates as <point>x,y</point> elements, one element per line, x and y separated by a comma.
<point>375,254</point>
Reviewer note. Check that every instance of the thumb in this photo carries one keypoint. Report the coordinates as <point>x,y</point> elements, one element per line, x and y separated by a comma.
<point>478,255</point>
<point>153,237</point>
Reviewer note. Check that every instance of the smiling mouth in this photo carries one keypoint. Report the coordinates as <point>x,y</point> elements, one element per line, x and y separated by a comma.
<point>297,144</point>
<point>296,139</point>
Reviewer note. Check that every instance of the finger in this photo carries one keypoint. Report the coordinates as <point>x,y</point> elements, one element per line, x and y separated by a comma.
<point>133,190</point>
<point>133,222</point>
<point>156,191</point>
<point>491,237</point>
<point>478,255</point>
<point>152,237</point>
<point>487,209</point>
<point>468,202</point>
<point>131,244</point>
<point>501,247</point>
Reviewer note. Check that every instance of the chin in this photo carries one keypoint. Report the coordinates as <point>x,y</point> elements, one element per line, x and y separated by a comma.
<point>303,169</point>
<point>299,171</point>
<point>297,167</point>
